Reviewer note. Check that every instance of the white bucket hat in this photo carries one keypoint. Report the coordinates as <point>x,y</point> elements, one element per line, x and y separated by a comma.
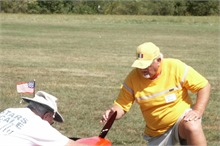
<point>48,100</point>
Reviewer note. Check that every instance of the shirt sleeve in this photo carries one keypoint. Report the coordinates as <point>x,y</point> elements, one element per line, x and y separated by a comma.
<point>126,98</point>
<point>194,81</point>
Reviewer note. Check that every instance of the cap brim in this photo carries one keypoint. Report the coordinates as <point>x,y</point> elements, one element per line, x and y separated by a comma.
<point>57,117</point>
<point>142,64</point>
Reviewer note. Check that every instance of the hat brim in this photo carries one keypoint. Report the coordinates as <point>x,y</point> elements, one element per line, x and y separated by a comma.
<point>142,64</point>
<point>57,117</point>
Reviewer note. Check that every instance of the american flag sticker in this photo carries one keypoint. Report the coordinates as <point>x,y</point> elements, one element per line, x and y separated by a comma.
<point>140,55</point>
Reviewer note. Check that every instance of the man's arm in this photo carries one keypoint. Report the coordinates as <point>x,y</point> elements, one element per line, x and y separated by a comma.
<point>109,112</point>
<point>200,105</point>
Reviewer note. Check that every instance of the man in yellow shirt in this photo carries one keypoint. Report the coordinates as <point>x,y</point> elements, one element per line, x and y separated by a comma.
<point>160,87</point>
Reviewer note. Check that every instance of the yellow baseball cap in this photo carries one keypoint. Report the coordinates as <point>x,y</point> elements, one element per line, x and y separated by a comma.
<point>146,53</point>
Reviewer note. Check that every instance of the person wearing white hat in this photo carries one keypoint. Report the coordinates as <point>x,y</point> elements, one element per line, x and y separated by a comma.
<point>31,126</point>
<point>160,86</point>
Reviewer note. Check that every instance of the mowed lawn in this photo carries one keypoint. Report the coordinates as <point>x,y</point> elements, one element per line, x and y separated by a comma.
<point>83,59</point>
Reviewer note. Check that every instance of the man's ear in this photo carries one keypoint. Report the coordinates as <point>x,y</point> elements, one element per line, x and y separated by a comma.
<point>46,115</point>
<point>159,59</point>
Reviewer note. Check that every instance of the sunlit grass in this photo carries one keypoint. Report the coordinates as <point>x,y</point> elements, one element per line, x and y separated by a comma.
<point>82,59</point>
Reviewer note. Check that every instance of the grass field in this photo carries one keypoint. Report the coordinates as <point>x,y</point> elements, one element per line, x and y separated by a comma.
<point>83,60</point>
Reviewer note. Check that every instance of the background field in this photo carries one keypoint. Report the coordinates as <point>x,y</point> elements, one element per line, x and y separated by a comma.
<point>83,59</point>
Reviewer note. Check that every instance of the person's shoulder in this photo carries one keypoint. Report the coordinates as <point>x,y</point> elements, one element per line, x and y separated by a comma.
<point>173,61</point>
<point>174,64</point>
<point>133,72</point>
<point>9,109</point>
<point>13,110</point>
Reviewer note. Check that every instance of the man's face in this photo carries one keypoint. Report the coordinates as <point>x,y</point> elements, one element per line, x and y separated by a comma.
<point>150,71</point>
<point>48,117</point>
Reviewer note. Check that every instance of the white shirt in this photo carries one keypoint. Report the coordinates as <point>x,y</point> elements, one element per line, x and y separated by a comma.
<point>20,126</point>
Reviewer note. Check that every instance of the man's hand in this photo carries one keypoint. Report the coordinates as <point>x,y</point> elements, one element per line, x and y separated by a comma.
<point>192,115</point>
<point>106,115</point>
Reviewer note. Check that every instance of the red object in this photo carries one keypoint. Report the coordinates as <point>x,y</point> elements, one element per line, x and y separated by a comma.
<point>100,140</point>
<point>95,141</point>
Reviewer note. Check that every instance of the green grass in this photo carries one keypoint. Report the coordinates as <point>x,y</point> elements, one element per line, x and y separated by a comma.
<point>83,60</point>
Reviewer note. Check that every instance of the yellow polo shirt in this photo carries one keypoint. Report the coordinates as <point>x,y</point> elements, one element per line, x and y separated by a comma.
<point>162,100</point>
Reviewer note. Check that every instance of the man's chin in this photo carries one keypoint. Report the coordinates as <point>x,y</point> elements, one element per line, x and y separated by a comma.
<point>146,76</point>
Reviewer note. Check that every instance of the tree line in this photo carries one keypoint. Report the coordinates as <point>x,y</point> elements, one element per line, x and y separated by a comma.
<point>113,7</point>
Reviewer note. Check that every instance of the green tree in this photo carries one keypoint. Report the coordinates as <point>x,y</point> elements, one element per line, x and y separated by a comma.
<point>14,6</point>
<point>117,7</point>
<point>162,7</point>
<point>180,8</point>
<point>203,8</point>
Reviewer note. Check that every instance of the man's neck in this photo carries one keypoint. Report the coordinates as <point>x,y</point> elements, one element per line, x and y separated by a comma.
<point>157,73</point>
